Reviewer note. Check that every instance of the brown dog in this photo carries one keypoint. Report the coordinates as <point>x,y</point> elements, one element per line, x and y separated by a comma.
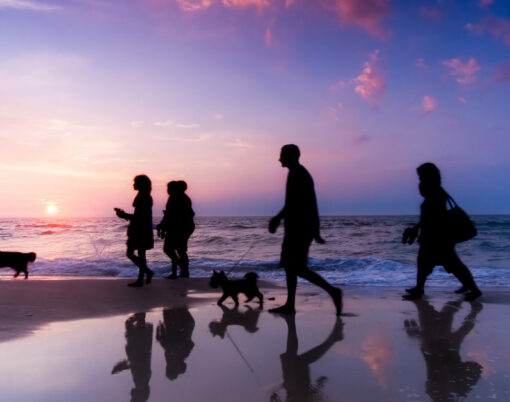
<point>17,261</point>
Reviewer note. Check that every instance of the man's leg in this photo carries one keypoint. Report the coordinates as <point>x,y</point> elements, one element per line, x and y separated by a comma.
<point>289,306</point>
<point>316,279</point>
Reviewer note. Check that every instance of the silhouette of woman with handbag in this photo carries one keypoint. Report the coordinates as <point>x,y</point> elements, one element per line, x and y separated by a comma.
<point>438,231</point>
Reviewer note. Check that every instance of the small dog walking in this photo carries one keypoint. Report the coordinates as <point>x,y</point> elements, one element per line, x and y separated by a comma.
<point>17,261</point>
<point>231,288</point>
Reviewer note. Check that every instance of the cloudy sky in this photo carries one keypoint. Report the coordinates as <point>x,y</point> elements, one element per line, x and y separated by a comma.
<point>93,92</point>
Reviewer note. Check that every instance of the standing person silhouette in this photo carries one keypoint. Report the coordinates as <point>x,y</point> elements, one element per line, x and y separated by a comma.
<point>436,248</point>
<point>139,233</point>
<point>301,220</point>
<point>176,227</point>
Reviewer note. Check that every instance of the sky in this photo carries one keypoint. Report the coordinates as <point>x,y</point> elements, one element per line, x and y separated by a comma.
<point>94,92</point>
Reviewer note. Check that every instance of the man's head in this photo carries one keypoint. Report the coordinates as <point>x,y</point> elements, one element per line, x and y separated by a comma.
<point>289,155</point>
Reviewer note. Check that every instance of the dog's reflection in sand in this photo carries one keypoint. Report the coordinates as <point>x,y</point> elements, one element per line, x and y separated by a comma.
<point>247,319</point>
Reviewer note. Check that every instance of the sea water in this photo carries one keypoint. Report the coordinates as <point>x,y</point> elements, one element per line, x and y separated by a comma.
<point>359,250</point>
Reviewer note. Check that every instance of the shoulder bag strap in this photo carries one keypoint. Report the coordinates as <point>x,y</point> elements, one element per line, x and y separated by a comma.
<point>449,200</point>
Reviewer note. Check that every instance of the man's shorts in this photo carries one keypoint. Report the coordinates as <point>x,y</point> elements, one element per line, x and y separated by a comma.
<point>295,252</point>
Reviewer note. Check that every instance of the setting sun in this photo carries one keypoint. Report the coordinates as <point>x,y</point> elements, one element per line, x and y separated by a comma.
<point>51,209</point>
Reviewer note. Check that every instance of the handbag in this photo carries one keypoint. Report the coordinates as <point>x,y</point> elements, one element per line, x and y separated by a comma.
<point>459,226</point>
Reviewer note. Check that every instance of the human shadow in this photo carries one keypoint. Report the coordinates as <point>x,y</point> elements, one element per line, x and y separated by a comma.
<point>138,352</point>
<point>174,335</point>
<point>295,367</point>
<point>448,377</point>
<point>247,319</point>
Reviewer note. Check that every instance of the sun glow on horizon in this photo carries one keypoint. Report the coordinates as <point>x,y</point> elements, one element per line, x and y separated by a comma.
<point>51,209</point>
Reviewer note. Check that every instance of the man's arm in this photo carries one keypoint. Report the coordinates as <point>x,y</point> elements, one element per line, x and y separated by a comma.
<point>275,221</point>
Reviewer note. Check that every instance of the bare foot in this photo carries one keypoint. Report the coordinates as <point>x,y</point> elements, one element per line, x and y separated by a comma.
<point>462,289</point>
<point>337,299</point>
<point>283,310</point>
<point>474,294</point>
<point>149,274</point>
<point>413,296</point>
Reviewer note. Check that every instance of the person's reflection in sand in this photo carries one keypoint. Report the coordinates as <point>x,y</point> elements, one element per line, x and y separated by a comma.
<point>138,352</point>
<point>448,377</point>
<point>295,368</point>
<point>174,335</point>
<point>247,319</point>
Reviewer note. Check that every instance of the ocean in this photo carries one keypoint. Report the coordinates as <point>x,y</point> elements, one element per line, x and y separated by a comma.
<point>359,250</point>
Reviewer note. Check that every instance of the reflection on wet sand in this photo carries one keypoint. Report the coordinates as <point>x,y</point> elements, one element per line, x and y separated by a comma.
<point>247,319</point>
<point>295,368</point>
<point>174,334</point>
<point>138,352</point>
<point>448,377</point>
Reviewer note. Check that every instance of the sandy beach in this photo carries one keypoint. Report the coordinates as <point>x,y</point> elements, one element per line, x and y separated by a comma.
<point>98,340</point>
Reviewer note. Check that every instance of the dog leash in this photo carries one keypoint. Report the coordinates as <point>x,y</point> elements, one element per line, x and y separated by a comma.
<point>241,354</point>
<point>242,257</point>
<point>252,371</point>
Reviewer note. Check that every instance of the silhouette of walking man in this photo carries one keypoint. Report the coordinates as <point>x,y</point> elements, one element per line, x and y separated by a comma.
<point>436,248</point>
<point>139,233</point>
<point>301,220</point>
<point>176,227</point>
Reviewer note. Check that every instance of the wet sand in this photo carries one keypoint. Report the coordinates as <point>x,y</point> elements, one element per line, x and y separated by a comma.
<point>99,340</point>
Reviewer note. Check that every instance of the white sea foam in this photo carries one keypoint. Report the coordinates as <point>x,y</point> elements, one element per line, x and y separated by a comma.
<point>358,251</point>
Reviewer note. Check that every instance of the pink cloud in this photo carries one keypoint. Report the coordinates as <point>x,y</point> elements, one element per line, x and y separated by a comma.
<point>429,104</point>
<point>333,111</point>
<point>246,3</point>
<point>431,13</point>
<point>461,99</point>
<point>497,27</point>
<point>337,85</point>
<point>464,72</point>
<point>194,5</point>
<point>366,14</point>
<point>485,2</point>
<point>269,37</point>
<point>198,5</point>
<point>502,73</point>
<point>420,63</point>
<point>371,81</point>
